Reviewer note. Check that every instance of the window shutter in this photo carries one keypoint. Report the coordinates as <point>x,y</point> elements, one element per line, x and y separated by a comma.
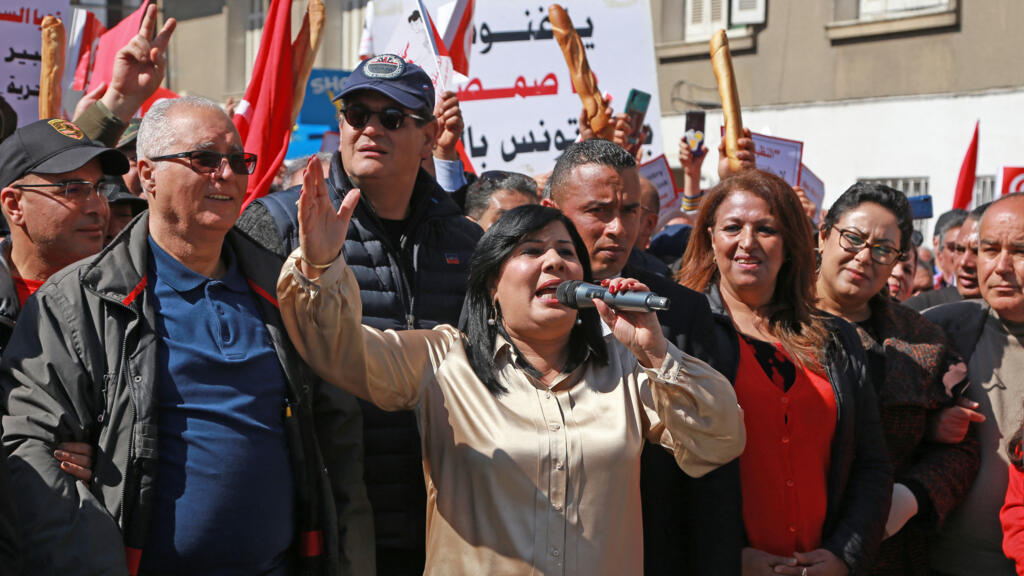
<point>743,12</point>
<point>872,7</point>
<point>703,17</point>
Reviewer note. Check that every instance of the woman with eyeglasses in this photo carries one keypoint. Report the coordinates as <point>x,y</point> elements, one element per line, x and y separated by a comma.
<point>533,419</point>
<point>814,479</point>
<point>865,234</point>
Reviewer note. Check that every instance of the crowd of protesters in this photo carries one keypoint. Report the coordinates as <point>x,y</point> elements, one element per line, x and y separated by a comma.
<point>369,370</point>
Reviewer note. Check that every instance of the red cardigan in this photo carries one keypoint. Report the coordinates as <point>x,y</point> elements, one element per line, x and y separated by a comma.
<point>784,467</point>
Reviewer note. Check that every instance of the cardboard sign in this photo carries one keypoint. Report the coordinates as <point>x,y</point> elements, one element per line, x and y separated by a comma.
<point>21,41</point>
<point>779,156</point>
<point>518,103</point>
<point>813,188</point>
<point>659,173</point>
<point>1012,179</point>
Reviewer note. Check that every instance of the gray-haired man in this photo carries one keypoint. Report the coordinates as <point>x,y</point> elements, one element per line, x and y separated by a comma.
<point>166,351</point>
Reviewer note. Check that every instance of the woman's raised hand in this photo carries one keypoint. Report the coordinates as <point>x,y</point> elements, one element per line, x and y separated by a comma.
<point>638,331</point>
<point>322,231</point>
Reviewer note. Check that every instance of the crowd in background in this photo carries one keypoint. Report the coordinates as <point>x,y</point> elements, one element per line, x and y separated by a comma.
<point>369,371</point>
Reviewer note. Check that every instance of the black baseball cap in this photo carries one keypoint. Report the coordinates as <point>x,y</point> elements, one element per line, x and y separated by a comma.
<point>54,146</point>
<point>390,75</point>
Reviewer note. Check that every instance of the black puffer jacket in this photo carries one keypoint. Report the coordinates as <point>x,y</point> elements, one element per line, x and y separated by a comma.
<point>860,475</point>
<point>418,284</point>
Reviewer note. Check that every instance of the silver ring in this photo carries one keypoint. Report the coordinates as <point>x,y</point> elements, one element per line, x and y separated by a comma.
<point>803,572</point>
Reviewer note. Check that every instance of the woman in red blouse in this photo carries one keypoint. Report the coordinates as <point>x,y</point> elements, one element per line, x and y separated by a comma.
<point>814,477</point>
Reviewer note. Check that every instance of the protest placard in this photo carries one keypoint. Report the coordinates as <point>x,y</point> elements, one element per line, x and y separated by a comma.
<point>413,40</point>
<point>659,173</point>
<point>21,52</point>
<point>518,103</point>
<point>813,188</point>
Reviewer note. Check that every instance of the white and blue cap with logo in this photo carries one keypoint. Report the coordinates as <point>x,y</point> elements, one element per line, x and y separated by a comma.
<point>390,75</point>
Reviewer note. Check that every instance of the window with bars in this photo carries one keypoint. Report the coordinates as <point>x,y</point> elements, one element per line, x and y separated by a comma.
<point>873,9</point>
<point>912,186</point>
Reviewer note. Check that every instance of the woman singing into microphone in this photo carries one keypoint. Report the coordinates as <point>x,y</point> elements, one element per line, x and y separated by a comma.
<point>532,422</point>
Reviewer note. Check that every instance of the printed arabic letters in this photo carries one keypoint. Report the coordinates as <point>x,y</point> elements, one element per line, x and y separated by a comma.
<point>510,156</point>
<point>476,151</point>
<point>543,32</point>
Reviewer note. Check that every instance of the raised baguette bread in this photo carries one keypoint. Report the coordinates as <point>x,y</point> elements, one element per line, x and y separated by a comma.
<point>576,58</point>
<point>721,62</point>
<point>51,68</point>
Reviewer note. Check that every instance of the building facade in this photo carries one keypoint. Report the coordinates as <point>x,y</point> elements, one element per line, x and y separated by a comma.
<point>885,90</point>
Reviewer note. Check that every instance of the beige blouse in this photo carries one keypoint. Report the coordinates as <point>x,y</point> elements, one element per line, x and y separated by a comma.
<point>534,481</point>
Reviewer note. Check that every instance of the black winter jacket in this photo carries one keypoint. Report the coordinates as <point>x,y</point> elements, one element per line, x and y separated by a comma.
<point>860,474</point>
<point>417,284</point>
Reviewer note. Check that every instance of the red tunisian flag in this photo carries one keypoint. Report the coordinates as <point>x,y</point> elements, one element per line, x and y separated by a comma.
<point>965,183</point>
<point>263,117</point>
<point>113,40</point>
<point>83,40</point>
<point>458,35</point>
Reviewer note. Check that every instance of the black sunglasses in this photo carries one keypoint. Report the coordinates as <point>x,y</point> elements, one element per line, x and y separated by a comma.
<point>391,118</point>
<point>207,161</point>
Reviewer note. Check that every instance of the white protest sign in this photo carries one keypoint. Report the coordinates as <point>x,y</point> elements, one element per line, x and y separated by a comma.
<point>412,40</point>
<point>659,173</point>
<point>779,156</point>
<point>519,105</point>
<point>21,52</point>
<point>813,188</point>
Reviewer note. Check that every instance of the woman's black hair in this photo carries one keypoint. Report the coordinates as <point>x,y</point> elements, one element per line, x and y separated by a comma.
<point>889,198</point>
<point>491,253</point>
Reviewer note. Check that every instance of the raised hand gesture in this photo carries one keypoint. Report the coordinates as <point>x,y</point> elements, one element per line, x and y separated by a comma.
<point>322,231</point>
<point>638,331</point>
<point>450,126</point>
<point>139,67</point>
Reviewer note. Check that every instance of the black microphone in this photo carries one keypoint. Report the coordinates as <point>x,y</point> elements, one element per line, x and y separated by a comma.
<point>578,294</point>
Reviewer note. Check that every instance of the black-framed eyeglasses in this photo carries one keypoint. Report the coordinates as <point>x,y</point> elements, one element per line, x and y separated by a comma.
<point>74,190</point>
<point>853,242</point>
<point>208,161</point>
<point>391,118</point>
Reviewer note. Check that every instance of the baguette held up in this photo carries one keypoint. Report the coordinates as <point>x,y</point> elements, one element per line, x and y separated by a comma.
<point>579,69</point>
<point>721,62</point>
<point>51,67</point>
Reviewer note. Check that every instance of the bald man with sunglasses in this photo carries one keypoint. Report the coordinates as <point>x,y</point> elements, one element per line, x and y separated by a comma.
<point>409,246</point>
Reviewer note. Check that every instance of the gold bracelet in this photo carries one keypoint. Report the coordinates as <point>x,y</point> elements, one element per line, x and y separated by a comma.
<point>317,266</point>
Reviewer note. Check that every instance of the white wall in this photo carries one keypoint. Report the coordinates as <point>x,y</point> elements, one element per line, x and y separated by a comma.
<point>884,138</point>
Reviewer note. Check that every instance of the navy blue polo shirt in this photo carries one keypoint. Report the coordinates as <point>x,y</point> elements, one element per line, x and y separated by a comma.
<point>224,492</point>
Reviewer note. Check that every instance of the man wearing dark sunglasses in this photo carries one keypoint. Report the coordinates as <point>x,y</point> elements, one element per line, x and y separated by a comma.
<point>166,352</point>
<point>409,246</point>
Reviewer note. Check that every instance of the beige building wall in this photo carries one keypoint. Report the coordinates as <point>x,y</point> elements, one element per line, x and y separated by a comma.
<point>211,55</point>
<point>811,51</point>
